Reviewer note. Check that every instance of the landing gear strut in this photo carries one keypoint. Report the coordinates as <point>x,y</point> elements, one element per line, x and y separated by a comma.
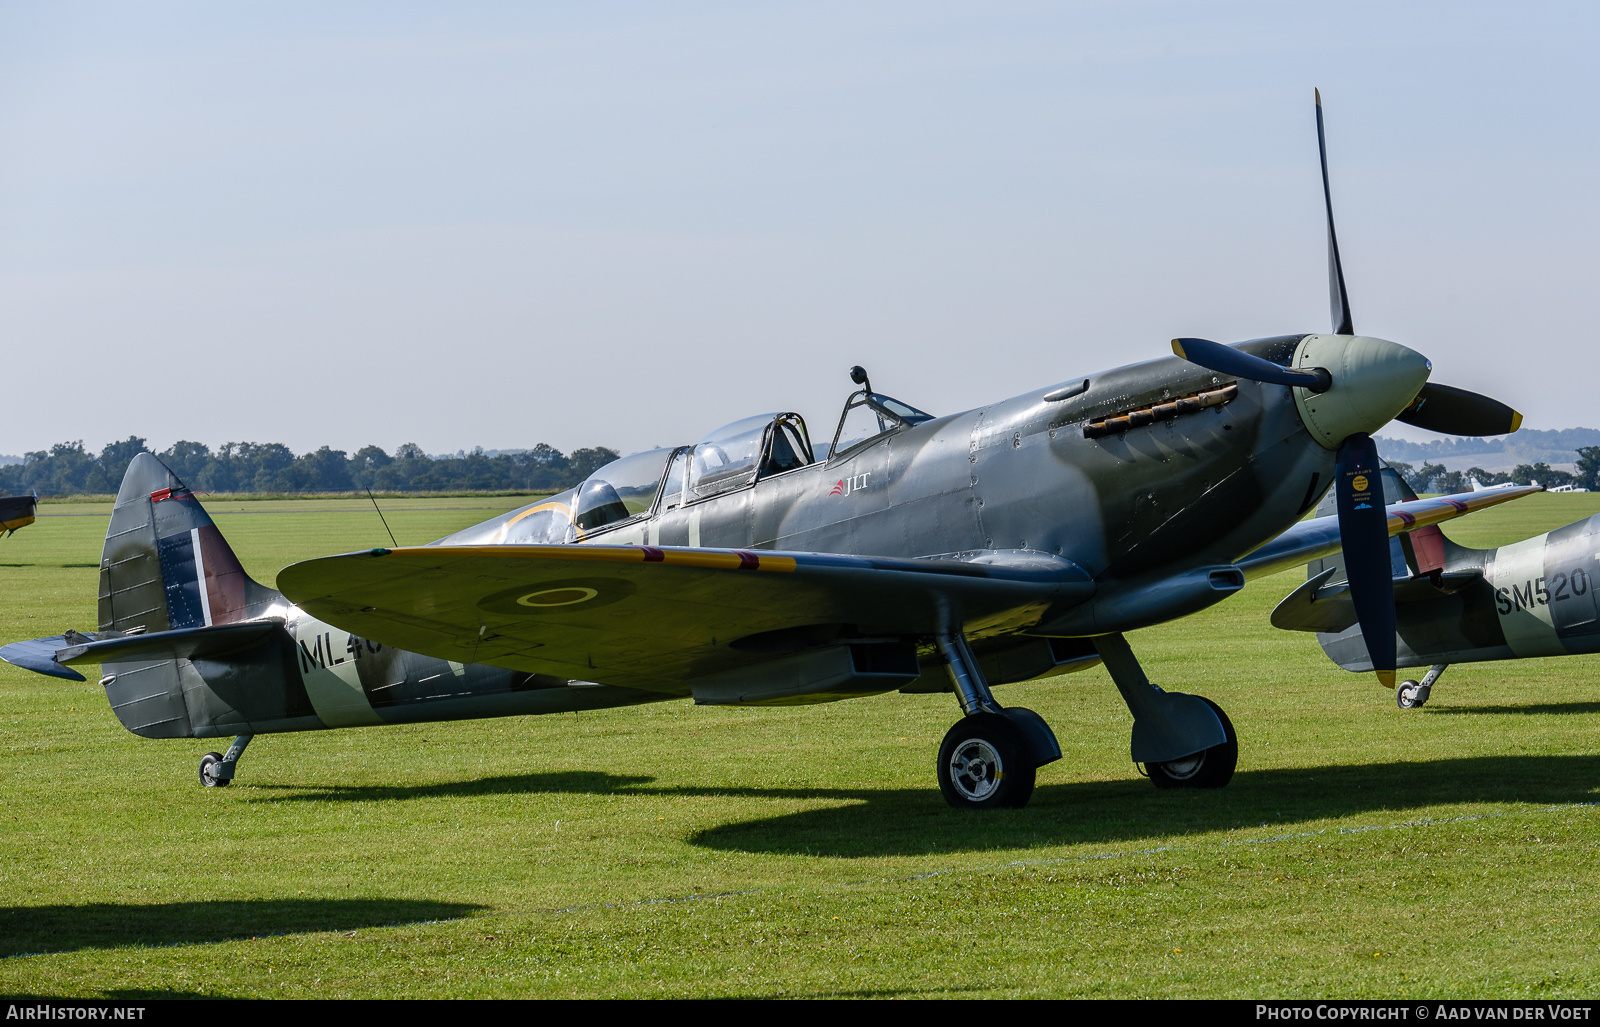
<point>990,757</point>
<point>1184,741</point>
<point>216,770</point>
<point>1412,694</point>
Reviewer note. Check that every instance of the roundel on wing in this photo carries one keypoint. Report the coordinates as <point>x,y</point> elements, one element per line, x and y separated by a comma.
<point>569,595</point>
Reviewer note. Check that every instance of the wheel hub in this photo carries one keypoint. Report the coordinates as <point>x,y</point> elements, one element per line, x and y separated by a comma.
<point>1189,766</point>
<point>976,769</point>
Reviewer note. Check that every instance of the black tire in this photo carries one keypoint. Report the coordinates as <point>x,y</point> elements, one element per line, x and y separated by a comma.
<point>1210,768</point>
<point>1405,696</point>
<point>984,764</point>
<point>208,761</point>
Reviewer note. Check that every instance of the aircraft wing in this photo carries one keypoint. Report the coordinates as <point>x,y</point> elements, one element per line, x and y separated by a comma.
<point>1319,536</point>
<point>655,617</point>
<point>16,512</point>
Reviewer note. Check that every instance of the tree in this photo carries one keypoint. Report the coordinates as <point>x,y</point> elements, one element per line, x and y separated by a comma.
<point>1541,472</point>
<point>188,460</point>
<point>106,476</point>
<point>326,470</point>
<point>585,462</point>
<point>1589,467</point>
<point>1421,479</point>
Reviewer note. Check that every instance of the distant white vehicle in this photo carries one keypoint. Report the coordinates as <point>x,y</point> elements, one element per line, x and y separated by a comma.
<point>1567,488</point>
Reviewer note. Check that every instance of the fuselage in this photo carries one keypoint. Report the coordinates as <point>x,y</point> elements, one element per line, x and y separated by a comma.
<point>1171,487</point>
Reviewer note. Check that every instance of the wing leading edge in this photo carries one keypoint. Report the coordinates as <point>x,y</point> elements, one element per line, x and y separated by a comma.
<point>1319,536</point>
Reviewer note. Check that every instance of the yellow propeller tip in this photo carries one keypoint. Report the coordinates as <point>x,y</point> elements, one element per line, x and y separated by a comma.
<point>1177,348</point>
<point>1318,94</point>
<point>1386,678</point>
<point>1516,420</point>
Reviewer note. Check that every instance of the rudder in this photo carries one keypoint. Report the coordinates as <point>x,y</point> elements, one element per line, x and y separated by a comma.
<point>165,565</point>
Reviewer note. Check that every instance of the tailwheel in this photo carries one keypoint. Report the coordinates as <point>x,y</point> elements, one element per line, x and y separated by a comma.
<point>209,763</point>
<point>1208,768</point>
<point>984,764</point>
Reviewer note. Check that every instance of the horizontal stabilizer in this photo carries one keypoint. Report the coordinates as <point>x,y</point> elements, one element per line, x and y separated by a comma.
<point>39,656</point>
<point>208,643</point>
<point>52,655</point>
<point>1321,605</point>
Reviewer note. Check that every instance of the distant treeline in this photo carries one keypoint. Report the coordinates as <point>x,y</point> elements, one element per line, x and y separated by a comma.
<point>1533,443</point>
<point>68,469</point>
<point>1432,477</point>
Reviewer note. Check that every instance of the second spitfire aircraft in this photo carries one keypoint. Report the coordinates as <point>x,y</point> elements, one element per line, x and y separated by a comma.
<point>1455,604</point>
<point>913,552</point>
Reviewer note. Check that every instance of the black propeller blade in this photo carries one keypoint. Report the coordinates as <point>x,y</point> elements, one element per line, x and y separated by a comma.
<point>1338,298</point>
<point>1453,411</point>
<point>1364,535</point>
<point>1363,521</point>
<point>1240,364</point>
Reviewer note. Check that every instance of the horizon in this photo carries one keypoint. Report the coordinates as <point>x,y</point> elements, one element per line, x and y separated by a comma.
<point>7,459</point>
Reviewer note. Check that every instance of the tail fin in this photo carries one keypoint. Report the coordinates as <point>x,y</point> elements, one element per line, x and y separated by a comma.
<point>165,565</point>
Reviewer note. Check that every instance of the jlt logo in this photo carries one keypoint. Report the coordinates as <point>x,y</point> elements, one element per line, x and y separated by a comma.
<point>854,483</point>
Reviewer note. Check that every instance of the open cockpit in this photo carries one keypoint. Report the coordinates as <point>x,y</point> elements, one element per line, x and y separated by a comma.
<point>733,457</point>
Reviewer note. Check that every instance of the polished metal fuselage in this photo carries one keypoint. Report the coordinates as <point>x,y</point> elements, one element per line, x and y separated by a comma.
<point>1020,476</point>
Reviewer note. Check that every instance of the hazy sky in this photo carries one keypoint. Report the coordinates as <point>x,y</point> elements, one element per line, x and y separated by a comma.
<point>625,224</point>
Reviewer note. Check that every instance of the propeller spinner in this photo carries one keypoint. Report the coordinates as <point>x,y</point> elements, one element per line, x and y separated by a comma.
<point>1347,386</point>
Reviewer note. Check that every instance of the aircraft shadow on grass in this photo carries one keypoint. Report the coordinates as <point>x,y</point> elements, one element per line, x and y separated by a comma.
<point>1546,709</point>
<point>104,925</point>
<point>63,566</point>
<point>900,822</point>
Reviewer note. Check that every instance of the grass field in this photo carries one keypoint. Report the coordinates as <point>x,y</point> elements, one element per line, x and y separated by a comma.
<point>670,850</point>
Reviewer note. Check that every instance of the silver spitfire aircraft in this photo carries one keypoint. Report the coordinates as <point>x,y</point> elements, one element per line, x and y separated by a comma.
<point>1455,604</point>
<point>914,552</point>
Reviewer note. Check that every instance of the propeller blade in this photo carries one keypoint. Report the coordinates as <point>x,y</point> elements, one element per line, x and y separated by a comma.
<point>1453,411</point>
<point>1338,298</point>
<point>1364,535</point>
<point>1240,364</point>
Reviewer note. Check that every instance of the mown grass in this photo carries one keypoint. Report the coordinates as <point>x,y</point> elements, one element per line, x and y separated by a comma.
<point>671,850</point>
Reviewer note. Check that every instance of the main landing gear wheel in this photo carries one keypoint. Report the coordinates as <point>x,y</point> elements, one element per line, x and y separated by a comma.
<point>1209,768</point>
<point>208,764</point>
<point>1409,695</point>
<point>983,764</point>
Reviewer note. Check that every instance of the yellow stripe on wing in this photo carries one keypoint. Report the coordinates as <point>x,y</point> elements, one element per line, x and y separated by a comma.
<point>1445,508</point>
<point>708,558</point>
